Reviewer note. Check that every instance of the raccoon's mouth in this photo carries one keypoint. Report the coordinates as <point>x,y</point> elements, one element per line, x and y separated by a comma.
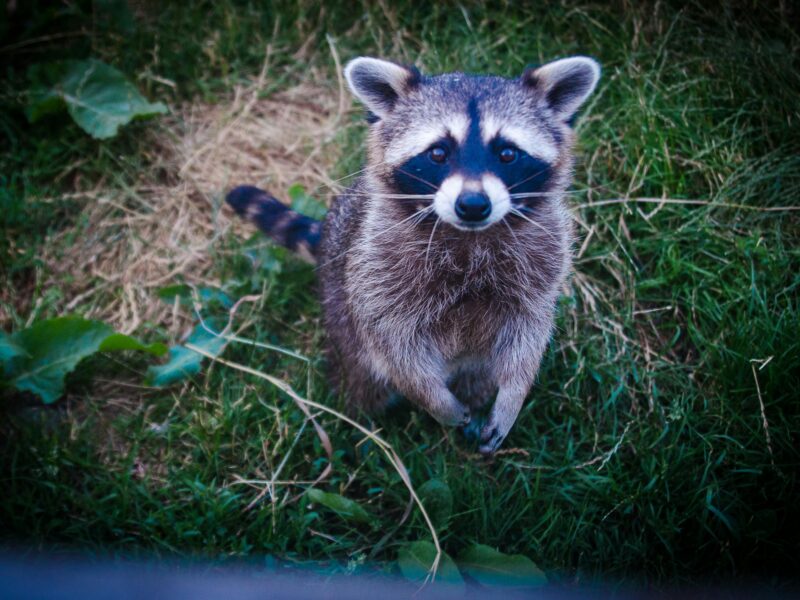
<point>456,222</point>
<point>468,226</point>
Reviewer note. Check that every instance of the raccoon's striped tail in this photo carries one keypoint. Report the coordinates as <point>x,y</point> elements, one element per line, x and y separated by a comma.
<point>285,226</point>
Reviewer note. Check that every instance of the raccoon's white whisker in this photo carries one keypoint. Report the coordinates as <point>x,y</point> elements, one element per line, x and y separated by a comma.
<point>353,174</point>
<point>360,171</point>
<point>430,240</point>
<point>517,212</point>
<point>527,179</point>
<point>332,184</point>
<point>420,213</point>
<point>376,195</point>
<point>405,196</point>
<point>511,231</point>
<point>425,181</point>
<point>371,167</point>
<point>521,195</point>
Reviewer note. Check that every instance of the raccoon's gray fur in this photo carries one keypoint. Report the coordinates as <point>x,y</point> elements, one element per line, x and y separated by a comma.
<point>440,268</point>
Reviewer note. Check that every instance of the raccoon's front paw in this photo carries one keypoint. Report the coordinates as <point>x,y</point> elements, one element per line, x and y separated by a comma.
<point>492,435</point>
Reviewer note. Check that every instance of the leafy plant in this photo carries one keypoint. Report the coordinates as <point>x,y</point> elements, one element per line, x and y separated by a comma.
<point>438,500</point>
<point>97,96</point>
<point>489,567</point>
<point>481,563</point>
<point>344,507</point>
<point>37,359</point>
<point>184,362</point>
<point>415,562</point>
<point>208,296</point>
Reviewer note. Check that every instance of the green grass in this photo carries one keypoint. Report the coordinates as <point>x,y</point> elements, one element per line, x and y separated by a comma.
<point>646,459</point>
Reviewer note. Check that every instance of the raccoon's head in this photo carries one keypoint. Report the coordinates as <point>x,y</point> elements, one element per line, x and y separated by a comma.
<point>475,147</point>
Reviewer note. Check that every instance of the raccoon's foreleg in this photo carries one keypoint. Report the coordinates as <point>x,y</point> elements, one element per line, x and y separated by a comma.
<point>433,396</point>
<point>515,363</point>
<point>285,226</point>
<point>417,372</point>
<point>503,415</point>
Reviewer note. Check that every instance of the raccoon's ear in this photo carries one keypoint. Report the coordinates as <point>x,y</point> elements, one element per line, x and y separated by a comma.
<point>566,83</point>
<point>379,83</point>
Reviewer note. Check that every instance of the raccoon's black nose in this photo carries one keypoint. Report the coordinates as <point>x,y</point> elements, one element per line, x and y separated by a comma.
<point>473,206</point>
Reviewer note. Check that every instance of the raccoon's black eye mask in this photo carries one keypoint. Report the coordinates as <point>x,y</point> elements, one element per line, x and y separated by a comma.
<point>424,173</point>
<point>518,170</point>
<point>525,174</point>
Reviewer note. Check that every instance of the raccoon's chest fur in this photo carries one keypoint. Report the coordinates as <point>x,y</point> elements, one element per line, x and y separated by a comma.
<point>458,293</point>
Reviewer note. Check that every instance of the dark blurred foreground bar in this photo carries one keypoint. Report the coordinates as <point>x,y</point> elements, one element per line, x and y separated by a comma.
<point>56,578</point>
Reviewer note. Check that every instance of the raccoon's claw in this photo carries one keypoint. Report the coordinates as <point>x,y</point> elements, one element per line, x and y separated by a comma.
<point>455,416</point>
<point>465,418</point>
<point>491,438</point>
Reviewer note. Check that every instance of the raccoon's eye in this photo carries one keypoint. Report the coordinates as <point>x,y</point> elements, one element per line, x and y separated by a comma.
<point>437,154</point>
<point>508,154</point>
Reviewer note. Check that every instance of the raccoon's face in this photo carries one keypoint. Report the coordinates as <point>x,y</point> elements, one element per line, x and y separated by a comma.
<point>474,148</point>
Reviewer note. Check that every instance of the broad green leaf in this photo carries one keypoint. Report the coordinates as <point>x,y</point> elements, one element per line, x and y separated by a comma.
<point>97,96</point>
<point>55,347</point>
<point>119,341</point>
<point>183,362</point>
<point>344,507</point>
<point>305,204</point>
<point>492,568</point>
<point>438,501</point>
<point>415,562</point>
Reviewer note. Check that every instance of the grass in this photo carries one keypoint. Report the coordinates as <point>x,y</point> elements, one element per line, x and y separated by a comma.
<point>651,450</point>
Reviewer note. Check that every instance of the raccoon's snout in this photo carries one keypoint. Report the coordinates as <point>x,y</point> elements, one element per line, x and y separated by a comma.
<point>473,207</point>
<point>472,204</point>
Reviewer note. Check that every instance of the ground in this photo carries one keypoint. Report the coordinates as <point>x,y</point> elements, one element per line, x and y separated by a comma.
<point>659,444</point>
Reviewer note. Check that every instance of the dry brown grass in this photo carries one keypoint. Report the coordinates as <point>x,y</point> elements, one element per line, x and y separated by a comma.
<point>162,230</point>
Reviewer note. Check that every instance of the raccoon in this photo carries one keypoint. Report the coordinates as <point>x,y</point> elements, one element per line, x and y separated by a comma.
<point>441,266</point>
